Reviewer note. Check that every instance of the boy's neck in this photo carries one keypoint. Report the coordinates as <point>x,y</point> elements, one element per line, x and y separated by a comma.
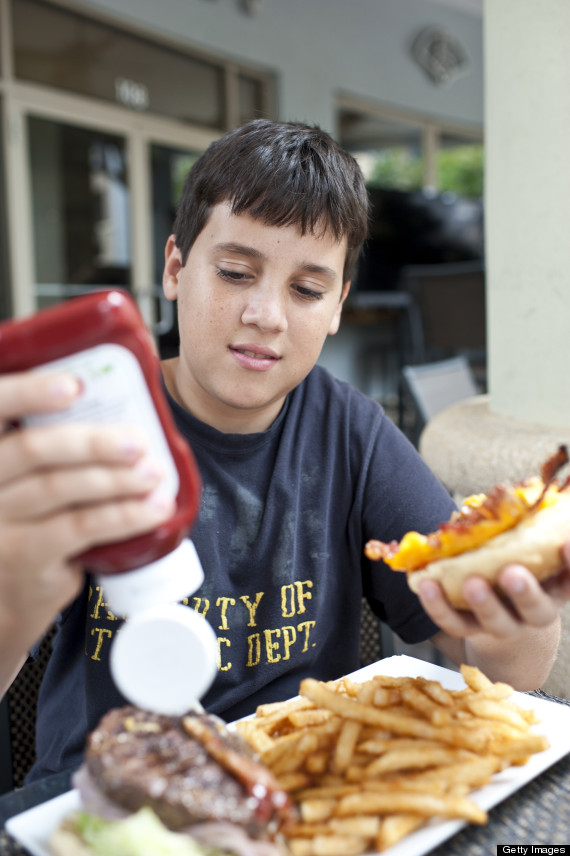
<point>228,420</point>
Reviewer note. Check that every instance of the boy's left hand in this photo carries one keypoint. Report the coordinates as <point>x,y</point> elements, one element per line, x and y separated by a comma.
<point>528,602</point>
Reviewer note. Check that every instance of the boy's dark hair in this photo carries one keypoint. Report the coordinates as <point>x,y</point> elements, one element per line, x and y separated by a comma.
<point>283,173</point>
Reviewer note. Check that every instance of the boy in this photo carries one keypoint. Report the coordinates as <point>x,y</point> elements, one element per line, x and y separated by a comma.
<point>299,470</point>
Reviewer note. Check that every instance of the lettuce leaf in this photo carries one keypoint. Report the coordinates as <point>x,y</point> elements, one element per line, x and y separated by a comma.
<point>140,834</point>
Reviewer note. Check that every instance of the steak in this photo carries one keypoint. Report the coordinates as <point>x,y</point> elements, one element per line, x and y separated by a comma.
<point>136,759</point>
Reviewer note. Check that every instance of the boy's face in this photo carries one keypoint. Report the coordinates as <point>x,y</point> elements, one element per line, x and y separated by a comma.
<point>255,305</point>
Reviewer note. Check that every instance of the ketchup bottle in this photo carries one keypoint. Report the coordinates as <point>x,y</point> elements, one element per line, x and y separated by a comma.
<point>102,339</point>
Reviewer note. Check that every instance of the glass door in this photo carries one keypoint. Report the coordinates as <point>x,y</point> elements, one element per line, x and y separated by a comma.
<point>80,209</point>
<point>92,192</point>
<point>82,230</point>
<point>169,168</point>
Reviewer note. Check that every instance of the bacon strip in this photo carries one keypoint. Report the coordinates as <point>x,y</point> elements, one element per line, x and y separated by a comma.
<point>377,550</point>
<point>257,779</point>
<point>555,463</point>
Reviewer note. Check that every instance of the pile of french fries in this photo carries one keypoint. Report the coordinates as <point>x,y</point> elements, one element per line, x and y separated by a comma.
<point>368,763</point>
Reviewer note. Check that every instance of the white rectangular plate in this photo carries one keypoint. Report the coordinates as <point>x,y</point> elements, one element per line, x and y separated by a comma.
<point>33,828</point>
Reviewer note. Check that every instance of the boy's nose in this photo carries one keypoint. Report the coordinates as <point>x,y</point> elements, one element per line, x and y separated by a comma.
<point>266,310</point>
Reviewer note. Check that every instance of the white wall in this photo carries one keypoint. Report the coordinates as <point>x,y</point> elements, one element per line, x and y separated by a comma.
<point>321,47</point>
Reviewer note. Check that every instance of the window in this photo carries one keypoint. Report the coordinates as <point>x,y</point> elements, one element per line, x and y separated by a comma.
<point>250,98</point>
<point>460,166</point>
<point>425,184</point>
<point>59,48</point>
<point>408,153</point>
<point>389,153</point>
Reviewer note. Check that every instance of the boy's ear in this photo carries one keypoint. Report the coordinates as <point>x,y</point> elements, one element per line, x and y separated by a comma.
<point>172,267</point>
<point>335,323</point>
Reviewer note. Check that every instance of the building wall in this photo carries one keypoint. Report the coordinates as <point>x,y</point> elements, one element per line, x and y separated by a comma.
<point>322,47</point>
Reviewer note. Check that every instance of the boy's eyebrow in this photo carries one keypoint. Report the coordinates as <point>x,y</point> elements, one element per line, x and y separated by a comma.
<point>252,252</point>
<point>240,249</point>
<point>319,270</point>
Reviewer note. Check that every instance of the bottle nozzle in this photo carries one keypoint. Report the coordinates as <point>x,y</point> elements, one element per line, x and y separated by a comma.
<point>164,657</point>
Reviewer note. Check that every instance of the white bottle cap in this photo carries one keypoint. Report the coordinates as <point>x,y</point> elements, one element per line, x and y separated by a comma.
<point>164,659</point>
<point>168,580</point>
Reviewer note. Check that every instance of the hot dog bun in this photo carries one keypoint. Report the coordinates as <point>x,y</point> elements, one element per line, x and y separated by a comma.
<point>534,543</point>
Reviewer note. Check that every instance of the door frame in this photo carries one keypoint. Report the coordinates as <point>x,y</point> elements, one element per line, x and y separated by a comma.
<point>139,131</point>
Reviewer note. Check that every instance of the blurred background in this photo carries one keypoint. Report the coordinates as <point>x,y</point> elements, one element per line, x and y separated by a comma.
<point>105,106</point>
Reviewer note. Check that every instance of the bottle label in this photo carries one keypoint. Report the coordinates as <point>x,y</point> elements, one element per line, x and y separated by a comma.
<point>114,392</point>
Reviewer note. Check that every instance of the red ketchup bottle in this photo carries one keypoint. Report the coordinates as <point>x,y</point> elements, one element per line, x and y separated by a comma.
<point>164,657</point>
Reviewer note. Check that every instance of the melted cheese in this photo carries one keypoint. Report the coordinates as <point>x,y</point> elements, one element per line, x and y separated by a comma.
<point>474,524</point>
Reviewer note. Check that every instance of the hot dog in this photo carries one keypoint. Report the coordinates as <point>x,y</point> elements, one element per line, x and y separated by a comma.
<point>525,523</point>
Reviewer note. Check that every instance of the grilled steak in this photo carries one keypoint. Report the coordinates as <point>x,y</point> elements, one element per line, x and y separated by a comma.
<point>140,759</point>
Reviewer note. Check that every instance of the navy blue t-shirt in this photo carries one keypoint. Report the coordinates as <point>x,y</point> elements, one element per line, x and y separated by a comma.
<point>284,517</point>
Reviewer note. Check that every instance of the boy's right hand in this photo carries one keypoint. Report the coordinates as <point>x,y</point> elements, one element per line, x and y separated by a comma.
<point>63,489</point>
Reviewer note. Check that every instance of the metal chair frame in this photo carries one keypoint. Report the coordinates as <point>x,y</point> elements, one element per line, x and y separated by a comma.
<point>436,386</point>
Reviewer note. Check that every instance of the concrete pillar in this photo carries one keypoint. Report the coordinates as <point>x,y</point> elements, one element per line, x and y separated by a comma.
<point>527,207</point>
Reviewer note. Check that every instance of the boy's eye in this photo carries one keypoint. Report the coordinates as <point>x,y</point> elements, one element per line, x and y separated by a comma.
<point>231,275</point>
<point>308,293</point>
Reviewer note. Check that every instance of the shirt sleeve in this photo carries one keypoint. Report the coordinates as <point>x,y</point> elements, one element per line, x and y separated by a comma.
<point>401,494</point>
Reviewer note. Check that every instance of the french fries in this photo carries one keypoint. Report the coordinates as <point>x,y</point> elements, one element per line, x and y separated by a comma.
<point>367,764</point>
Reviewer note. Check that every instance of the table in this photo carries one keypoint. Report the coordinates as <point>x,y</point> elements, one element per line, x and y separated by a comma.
<point>537,814</point>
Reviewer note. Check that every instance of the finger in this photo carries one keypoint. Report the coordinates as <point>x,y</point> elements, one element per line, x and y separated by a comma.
<point>113,521</point>
<point>532,603</point>
<point>24,393</point>
<point>29,602</point>
<point>67,444</point>
<point>28,548</point>
<point>493,614</point>
<point>49,491</point>
<point>454,622</point>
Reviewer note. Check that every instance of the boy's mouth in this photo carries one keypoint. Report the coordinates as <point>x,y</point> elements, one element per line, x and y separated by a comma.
<point>261,352</point>
<point>254,357</point>
<point>255,354</point>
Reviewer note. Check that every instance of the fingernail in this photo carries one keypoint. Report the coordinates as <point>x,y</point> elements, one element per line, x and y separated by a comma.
<point>132,443</point>
<point>149,469</point>
<point>64,387</point>
<point>161,502</point>
<point>428,590</point>
<point>475,591</point>
<point>516,585</point>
